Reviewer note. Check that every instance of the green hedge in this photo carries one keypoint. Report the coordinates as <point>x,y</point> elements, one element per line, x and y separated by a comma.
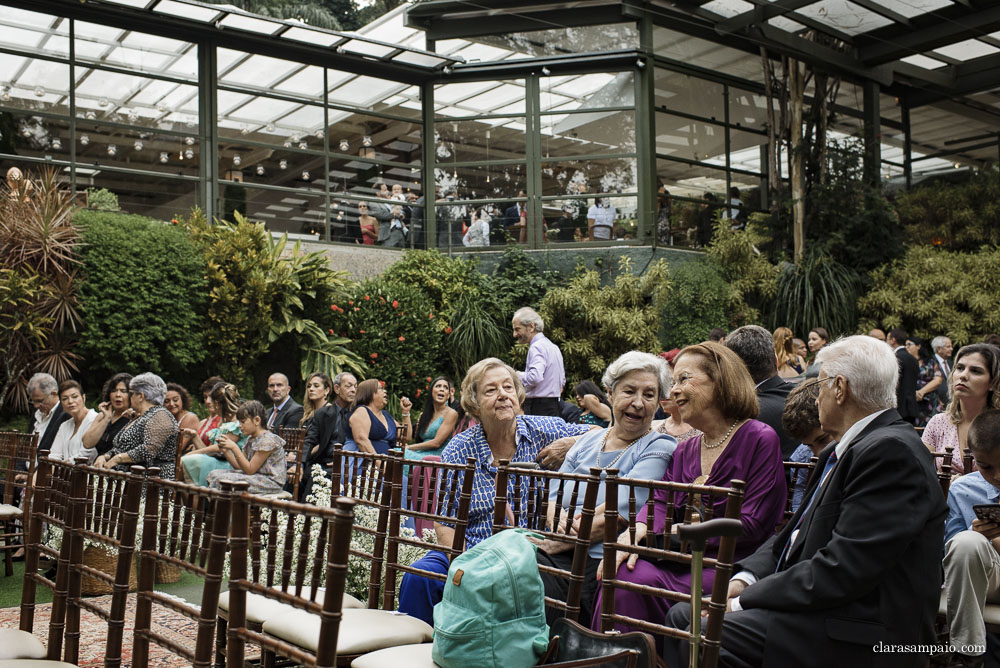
<point>141,296</point>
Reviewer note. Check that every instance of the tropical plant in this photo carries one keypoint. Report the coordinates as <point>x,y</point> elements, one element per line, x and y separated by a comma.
<point>819,291</point>
<point>520,281</point>
<point>752,279</point>
<point>955,216</point>
<point>593,324</point>
<point>312,12</point>
<point>38,239</point>
<point>102,199</point>
<point>475,335</point>
<point>931,291</point>
<point>395,329</point>
<point>23,329</point>
<point>140,312</point>
<point>697,303</point>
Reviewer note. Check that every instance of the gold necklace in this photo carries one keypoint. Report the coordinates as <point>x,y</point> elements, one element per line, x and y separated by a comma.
<point>712,446</point>
<point>604,444</point>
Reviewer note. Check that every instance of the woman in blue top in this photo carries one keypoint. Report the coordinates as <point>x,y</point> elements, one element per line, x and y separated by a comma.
<point>493,394</point>
<point>437,421</point>
<point>637,381</point>
<point>373,429</point>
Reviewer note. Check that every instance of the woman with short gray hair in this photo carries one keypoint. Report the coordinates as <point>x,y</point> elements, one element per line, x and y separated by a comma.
<point>150,439</point>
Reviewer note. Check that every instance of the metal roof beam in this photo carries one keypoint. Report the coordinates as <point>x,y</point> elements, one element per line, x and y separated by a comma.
<point>971,77</point>
<point>475,26</point>
<point>930,31</point>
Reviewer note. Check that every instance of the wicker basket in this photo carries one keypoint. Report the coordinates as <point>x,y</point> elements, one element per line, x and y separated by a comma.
<point>167,573</point>
<point>99,559</point>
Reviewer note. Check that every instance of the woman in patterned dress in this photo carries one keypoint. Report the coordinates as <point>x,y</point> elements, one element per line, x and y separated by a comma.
<point>262,461</point>
<point>150,439</point>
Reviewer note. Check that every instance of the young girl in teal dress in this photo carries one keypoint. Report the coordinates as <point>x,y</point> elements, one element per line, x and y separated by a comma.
<point>261,462</point>
<point>437,421</point>
<point>198,464</point>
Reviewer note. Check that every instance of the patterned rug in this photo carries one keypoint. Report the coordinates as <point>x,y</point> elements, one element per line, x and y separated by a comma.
<point>94,630</point>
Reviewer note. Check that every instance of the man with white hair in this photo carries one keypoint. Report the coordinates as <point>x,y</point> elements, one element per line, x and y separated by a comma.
<point>48,416</point>
<point>941,345</point>
<point>544,375</point>
<point>855,572</point>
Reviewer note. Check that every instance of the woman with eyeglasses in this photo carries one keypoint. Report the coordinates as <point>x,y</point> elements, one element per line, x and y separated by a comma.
<point>369,225</point>
<point>975,387</point>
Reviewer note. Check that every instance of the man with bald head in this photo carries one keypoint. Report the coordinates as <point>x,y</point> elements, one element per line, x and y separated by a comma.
<point>285,412</point>
<point>877,334</point>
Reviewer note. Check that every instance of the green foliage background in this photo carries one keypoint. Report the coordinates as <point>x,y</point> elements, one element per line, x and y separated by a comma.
<point>698,299</point>
<point>141,296</point>
<point>958,216</point>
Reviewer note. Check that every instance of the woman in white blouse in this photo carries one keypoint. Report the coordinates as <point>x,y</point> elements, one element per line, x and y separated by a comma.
<point>68,443</point>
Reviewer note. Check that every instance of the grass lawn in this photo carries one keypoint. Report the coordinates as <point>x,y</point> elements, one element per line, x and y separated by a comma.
<point>188,588</point>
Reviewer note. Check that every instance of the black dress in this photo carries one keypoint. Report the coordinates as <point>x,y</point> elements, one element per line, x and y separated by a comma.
<point>150,440</point>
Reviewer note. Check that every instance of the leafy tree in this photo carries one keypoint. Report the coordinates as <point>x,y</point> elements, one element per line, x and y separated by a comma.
<point>593,324</point>
<point>932,291</point>
<point>346,12</point>
<point>956,216</point>
<point>697,303</point>
<point>520,280</point>
<point>819,291</point>
<point>313,12</point>
<point>23,328</point>
<point>142,298</point>
<point>751,277</point>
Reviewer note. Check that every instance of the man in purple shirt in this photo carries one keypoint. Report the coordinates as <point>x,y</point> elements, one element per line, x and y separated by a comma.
<point>543,376</point>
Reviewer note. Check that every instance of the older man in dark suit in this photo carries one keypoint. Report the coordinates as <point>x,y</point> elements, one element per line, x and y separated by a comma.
<point>909,372</point>
<point>855,574</point>
<point>48,416</point>
<point>285,412</point>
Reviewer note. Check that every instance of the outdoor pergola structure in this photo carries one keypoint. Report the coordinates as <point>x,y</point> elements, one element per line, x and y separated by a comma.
<point>176,103</point>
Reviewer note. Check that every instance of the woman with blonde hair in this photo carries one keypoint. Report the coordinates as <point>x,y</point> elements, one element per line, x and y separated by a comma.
<point>318,388</point>
<point>790,364</point>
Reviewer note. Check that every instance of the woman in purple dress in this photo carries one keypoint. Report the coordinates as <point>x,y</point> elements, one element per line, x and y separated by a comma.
<point>715,394</point>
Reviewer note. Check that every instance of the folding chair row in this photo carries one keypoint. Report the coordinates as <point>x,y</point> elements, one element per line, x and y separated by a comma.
<point>17,468</point>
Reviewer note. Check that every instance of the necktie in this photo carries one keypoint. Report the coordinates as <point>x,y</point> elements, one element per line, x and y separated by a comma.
<point>831,460</point>
<point>274,414</point>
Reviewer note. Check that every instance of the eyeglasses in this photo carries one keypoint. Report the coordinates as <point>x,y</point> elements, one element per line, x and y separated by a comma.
<point>814,381</point>
<point>910,343</point>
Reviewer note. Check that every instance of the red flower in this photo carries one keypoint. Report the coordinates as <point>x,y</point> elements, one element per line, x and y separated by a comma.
<point>173,221</point>
<point>447,330</point>
<point>331,332</point>
<point>395,303</point>
<point>350,303</point>
<point>356,308</point>
<point>374,356</point>
<point>367,297</point>
<point>361,331</point>
<point>382,299</point>
<point>418,393</point>
<point>333,307</point>
<point>428,379</point>
<point>431,316</point>
<point>402,338</point>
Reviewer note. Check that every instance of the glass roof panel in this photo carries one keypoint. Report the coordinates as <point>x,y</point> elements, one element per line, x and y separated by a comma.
<point>368,48</point>
<point>186,11</point>
<point>305,119</point>
<point>308,82</point>
<point>845,16</point>
<point>911,8</point>
<point>143,60</point>
<point>450,93</point>
<point>967,50</point>
<point>143,40</point>
<point>111,85</point>
<point>153,92</point>
<point>9,66</point>
<point>263,109</point>
<point>364,91</point>
<point>107,34</point>
<point>310,36</point>
<point>786,23</point>
<point>130,3</point>
<point>186,66</point>
<point>923,61</point>
<point>20,38</point>
<point>250,24</point>
<point>227,100</point>
<point>226,57</point>
<point>477,51</point>
<point>89,50</point>
<point>585,85</point>
<point>728,8</point>
<point>46,74</point>
<point>260,71</point>
<point>418,59</point>
<point>32,19</point>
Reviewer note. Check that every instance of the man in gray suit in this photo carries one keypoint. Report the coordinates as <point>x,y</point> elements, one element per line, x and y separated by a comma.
<point>285,412</point>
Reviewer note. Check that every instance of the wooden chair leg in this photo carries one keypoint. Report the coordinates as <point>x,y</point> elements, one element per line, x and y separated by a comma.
<point>267,658</point>
<point>220,642</point>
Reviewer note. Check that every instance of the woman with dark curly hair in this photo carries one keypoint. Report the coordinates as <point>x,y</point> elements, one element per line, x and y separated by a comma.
<point>113,414</point>
<point>594,404</point>
<point>178,402</point>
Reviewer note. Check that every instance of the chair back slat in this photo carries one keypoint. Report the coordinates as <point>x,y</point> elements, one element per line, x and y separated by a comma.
<point>528,496</point>
<point>204,515</point>
<point>294,438</point>
<point>793,471</point>
<point>699,504</point>
<point>328,566</point>
<point>447,499</point>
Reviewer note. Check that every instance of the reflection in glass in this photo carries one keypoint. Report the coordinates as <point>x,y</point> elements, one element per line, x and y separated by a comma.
<point>472,141</point>
<point>152,196</point>
<point>482,181</point>
<point>34,136</point>
<point>692,140</point>
<point>33,84</point>
<point>575,177</point>
<point>690,95</point>
<point>567,135</point>
<point>562,41</point>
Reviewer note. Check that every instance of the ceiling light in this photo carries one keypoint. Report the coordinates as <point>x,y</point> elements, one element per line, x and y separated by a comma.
<point>112,150</point>
<point>132,116</point>
<point>366,140</point>
<point>56,144</point>
<point>138,145</point>
<point>164,157</point>
<point>103,102</point>
<point>189,141</point>
<point>283,164</point>
<point>305,176</point>
<point>260,170</point>
<point>344,146</point>
<point>188,153</point>
<point>303,145</point>
<point>244,130</point>
<point>85,140</point>
<point>90,115</point>
<point>237,160</point>
<point>39,91</point>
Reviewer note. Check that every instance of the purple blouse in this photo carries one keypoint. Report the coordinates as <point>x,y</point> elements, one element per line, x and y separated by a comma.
<point>753,456</point>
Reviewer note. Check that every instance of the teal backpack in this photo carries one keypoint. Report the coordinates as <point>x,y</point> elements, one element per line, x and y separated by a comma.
<point>492,614</point>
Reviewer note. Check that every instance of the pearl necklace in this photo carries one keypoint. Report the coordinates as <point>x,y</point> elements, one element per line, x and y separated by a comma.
<point>712,446</point>
<point>604,444</point>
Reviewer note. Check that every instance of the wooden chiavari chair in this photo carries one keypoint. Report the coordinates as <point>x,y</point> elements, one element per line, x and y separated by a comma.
<point>527,504</point>
<point>698,503</point>
<point>184,526</point>
<point>294,438</point>
<point>50,508</point>
<point>17,465</point>
<point>793,471</point>
<point>306,611</point>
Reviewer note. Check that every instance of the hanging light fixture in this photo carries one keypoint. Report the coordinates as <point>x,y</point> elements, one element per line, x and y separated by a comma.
<point>164,157</point>
<point>260,170</point>
<point>5,95</point>
<point>85,140</point>
<point>244,130</point>
<point>270,127</point>
<point>90,115</point>
<point>188,153</point>
<point>344,146</point>
<point>189,141</point>
<point>103,102</point>
<point>56,144</point>
<point>237,160</point>
<point>137,145</point>
<point>487,156</point>
<point>39,92</point>
<point>366,141</point>
<point>132,116</point>
<point>283,164</point>
<point>303,145</point>
<point>305,175</point>
<point>112,150</point>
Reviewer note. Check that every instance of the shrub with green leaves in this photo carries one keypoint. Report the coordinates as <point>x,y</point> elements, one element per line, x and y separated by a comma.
<point>142,296</point>
<point>956,216</point>
<point>593,324</point>
<point>818,292</point>
<point>752,279</point>
<point>930,292</point>
<point>697,303</point>
<point>395,330</point>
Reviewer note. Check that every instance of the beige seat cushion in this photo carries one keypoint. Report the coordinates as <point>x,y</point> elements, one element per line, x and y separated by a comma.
<point>16,644</point>
<point>361,631</point>
<point>261,608</point>
<point>991,613</point>
<point>9,512</point>
<point>411,656</point>
<point>34,663</point>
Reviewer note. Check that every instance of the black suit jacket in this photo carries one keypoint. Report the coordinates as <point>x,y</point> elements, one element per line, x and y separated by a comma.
<point>289,416</point>
<point>771,396</point>
<point>866,566</point>
<point>45,440</point>
<point>906,389</point>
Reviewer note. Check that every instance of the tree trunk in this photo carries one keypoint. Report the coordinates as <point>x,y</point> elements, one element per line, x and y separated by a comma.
<point>796,171</point>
